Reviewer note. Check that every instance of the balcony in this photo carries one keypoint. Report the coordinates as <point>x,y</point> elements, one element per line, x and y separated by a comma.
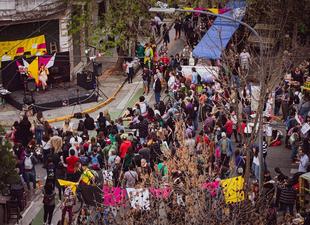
<point>24,11</point>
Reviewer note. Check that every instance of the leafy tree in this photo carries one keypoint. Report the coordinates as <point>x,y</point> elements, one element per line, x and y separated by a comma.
<point>8,174</point>
<point>123,22</point>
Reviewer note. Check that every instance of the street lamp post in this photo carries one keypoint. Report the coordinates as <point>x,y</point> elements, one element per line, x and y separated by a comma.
<point>260,121</point>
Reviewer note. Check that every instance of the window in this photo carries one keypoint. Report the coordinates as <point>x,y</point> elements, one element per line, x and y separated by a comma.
<point>7,4</point>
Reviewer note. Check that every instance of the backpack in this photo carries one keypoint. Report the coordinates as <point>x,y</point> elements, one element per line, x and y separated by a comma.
<point>50,171</point>
<point>95,162</point>
<point>198,78</point>
<point>84,160</point>
<point>296,99</point>
<point>28,163</point>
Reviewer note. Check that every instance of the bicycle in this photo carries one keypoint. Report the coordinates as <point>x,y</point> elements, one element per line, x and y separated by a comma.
<point>92,191</point>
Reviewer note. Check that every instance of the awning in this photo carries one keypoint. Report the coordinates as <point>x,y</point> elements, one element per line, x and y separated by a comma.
<point>217,37</point>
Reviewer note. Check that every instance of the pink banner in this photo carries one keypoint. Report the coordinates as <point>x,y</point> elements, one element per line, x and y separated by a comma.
<point>160,192</point>
<point>114,196</point>
<point>211,187</point>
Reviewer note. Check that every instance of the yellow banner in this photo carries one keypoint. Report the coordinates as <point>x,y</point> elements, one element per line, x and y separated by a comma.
<point>34,45</point>
<point>233,189</point>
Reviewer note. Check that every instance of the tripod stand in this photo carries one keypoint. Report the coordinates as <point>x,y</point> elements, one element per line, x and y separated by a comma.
<point>99,92</point>
<point>97,67</point>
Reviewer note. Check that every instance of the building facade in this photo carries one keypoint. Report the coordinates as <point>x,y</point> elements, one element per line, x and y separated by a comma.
<point>20,19</point>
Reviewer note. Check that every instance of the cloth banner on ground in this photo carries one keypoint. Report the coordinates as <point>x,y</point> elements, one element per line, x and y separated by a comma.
<point>217,37</point>
<point>161,193</point>
<point>212,187</point>
<point>66,183</point>
<point>139,198</point>
<point>114,196</point>
<point>34,45</point>
<point>233,189</point>
<point>107,176</point>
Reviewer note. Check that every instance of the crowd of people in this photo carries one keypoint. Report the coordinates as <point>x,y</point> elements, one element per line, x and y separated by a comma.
<point>134,152</point>
<point>217,125</point>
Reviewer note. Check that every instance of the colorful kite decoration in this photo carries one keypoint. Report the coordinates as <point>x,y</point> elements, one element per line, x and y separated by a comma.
<point>34,66</point>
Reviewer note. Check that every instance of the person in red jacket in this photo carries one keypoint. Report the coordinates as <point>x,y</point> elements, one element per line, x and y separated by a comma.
<point>165,59</point>
<point>123,149</point>
<point>229,127</point>
<point>71,166</point>
<point>241,134</point>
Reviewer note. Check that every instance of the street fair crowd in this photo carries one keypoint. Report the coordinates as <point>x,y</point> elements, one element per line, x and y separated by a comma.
<point>194,136</point>
<point>196,144</point>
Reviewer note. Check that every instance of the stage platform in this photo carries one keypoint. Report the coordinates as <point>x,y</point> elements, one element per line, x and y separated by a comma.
<point>58,96</point>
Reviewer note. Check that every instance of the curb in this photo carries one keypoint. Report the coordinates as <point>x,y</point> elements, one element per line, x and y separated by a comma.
<point>93,109</point>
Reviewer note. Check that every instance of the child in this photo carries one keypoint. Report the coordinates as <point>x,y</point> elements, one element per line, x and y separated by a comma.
<point>84,218</point>
<point>67,205</point>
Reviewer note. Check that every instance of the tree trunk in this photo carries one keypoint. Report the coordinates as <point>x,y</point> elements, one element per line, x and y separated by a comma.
<point>294,41</point>
<point>120,60</point>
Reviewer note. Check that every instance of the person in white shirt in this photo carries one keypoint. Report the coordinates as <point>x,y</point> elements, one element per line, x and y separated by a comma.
<point>171,81</point>
<point>303,161</point>
<point>158,23</point>
<point>245,60</point>
<point>268,131</point>
<point>143,106</point>
<point>129,71</point>
<point>255,163</point>
<point>75,140</point>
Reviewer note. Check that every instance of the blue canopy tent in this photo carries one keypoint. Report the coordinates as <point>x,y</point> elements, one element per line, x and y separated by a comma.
<point>217,37</point>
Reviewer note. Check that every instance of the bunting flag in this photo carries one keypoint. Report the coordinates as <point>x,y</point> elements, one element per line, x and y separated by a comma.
<point>19,47</point>
<point>139,198</point>
<point>188,8</point>
<point>218,11</point>
<point>233,189</point>
<point>212,10</point>
<point>66,183</point>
